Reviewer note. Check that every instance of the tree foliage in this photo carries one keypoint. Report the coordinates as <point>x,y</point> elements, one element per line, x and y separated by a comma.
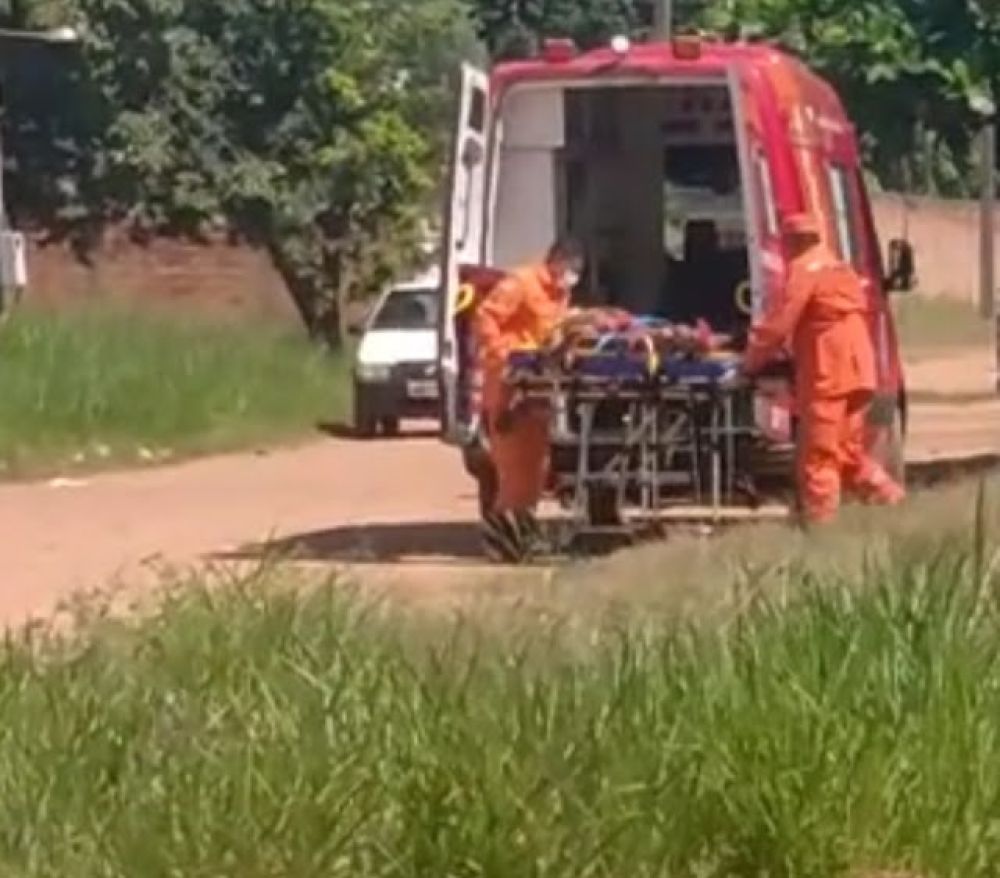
<point>308,127</point>
<point>910,70</point>
<point>511,27</point>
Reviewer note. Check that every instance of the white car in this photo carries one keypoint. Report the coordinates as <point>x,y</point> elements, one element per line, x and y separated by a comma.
<point>395,369</point>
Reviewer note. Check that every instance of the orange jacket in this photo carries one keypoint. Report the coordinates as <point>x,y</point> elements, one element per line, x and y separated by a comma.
<point>520,312</point>
<point>824,314</point>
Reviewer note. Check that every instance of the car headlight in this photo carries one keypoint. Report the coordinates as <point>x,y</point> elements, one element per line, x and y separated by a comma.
<point>369,373</point>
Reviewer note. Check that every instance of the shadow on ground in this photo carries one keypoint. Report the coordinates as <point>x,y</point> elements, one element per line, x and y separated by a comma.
<point>375,544</point>
<point>340,430</point>
<point>935,473</point>
<point>457,542</point>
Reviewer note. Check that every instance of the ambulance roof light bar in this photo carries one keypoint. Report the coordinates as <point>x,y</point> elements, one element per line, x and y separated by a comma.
<point>687,47</point>
<point>558,50</point>
<point>621,45</point>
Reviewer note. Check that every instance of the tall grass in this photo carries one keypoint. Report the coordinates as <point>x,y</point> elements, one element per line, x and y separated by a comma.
<point>825,725</point>
<point>939,324</point>
<point>100,383</point>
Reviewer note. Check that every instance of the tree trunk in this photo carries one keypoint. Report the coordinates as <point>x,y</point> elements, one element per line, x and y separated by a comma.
<point>322,324</point>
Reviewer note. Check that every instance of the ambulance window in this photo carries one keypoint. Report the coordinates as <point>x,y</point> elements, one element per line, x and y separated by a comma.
<point>766,191</point>
<point>845,216</point>
<point>477,111</point>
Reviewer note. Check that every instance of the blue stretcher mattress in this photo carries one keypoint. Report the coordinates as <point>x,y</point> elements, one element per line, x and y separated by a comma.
<point>621,366</point>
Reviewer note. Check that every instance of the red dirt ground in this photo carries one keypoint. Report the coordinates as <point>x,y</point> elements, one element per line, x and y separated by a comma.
<point>337,503</point>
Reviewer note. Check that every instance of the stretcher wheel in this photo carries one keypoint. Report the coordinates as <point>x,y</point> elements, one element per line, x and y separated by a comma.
<point>602,508</point>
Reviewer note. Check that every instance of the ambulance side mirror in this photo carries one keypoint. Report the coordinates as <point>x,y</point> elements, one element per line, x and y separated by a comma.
<point>902,265</point>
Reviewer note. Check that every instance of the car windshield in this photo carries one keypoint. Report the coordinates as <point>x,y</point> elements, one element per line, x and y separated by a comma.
<point>409,309</point>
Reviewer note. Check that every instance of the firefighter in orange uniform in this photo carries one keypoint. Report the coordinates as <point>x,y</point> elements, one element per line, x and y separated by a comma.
<point>520,313</point>
<point>823,317</point>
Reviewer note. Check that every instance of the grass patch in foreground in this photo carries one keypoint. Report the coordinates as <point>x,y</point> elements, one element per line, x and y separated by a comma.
<point>101,384</point>
<point>939,324</point>
<point>828,725</point>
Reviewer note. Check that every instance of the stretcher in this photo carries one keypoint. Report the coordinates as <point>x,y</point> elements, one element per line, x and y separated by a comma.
<point>636,435</point>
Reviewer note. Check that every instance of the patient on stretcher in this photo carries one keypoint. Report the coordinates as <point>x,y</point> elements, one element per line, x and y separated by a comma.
<point>615,343</point>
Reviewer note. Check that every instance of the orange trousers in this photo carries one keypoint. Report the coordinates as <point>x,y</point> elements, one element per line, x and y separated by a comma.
<point>832,457</point>
<point>520,455</point>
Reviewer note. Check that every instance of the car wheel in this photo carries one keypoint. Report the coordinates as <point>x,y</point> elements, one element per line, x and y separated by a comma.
<point>365,423</point>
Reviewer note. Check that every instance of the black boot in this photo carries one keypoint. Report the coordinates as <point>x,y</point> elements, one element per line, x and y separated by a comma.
<point>511,537</point>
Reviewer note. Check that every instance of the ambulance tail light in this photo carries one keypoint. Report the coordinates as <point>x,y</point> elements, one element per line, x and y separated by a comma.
<point>559,51</point>
<point>686,48</point>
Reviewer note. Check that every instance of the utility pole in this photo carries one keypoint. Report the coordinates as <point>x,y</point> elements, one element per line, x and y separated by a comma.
<point>663,19</point>
<point>987,276</point>
<point>987,230</point>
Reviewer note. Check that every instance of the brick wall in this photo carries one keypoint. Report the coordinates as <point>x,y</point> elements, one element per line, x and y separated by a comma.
<point>218,277</point>
<point>239,280</point>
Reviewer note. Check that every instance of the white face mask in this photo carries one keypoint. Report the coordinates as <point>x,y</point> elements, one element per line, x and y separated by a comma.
<point>571,279</point>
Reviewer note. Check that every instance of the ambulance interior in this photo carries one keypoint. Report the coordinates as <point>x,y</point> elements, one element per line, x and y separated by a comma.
<point>646,177</point>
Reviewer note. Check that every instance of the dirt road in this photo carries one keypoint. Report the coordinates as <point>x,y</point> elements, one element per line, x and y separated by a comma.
<point>339,500</point>
<point>335,501</point>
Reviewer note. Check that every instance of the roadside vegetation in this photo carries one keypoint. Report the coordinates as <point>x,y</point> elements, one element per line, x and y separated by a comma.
<point>816,720</point>
<point>930,325</point>
<point>101,385</point>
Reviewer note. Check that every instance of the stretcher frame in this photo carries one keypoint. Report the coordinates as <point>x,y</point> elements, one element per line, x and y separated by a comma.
<point>693,418</point>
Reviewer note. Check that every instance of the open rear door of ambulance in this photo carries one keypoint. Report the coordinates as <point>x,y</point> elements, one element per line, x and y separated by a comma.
<point>748,88</point>
<point>463,243</point>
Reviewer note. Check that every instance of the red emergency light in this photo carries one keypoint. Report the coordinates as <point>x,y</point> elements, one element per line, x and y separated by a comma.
<point>686,48</point>
<point>559,51</point>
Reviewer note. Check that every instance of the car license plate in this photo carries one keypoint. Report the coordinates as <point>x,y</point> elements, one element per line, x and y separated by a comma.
<point>422,389</point>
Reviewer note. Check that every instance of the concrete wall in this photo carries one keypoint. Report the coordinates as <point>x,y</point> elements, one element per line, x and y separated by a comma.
<point>945,236</point>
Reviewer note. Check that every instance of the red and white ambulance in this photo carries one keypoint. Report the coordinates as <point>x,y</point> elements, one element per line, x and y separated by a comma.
<point>674,163</point>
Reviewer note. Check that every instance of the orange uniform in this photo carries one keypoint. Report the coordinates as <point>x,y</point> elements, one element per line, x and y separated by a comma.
<point>519,313</point>
<point>823,315</point>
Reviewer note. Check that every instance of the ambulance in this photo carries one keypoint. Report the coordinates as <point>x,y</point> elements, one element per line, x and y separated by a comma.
<point>674,163</point>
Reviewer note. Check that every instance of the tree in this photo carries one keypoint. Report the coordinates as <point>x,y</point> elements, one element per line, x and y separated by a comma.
<point>311,128</point>
<point>910,71</point>
<point>509,27</point>
<point>513,27</point>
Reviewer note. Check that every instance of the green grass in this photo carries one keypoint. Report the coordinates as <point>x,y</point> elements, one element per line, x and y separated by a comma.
<point>97,385</point>
<point>834,718</point>
<point>939,324</point>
